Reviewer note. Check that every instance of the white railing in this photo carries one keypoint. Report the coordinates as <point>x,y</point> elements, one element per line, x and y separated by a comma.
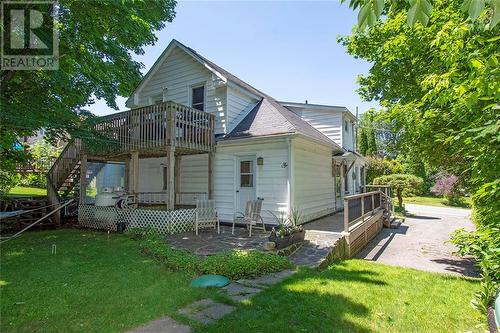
<point>152,198</point>
<point>189,198</point>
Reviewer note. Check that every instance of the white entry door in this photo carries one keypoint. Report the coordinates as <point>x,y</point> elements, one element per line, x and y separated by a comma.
<point>245,189</point>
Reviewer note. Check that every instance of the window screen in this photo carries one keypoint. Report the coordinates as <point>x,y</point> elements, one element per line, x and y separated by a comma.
<point>198,98</point>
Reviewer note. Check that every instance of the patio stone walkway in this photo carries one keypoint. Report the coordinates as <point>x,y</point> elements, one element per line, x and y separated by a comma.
<point>209,242</point>
<point>316,247</point>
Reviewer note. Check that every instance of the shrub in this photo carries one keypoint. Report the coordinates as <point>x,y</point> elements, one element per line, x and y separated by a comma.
<point>244,264</point>
<point>377,167</point>
<point>33,180</point>
<point>232,264</point>
<point>399,182</point>
<point>447,185</point>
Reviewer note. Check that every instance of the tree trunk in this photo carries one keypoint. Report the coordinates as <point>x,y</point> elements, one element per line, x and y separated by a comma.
<point>399,194</point>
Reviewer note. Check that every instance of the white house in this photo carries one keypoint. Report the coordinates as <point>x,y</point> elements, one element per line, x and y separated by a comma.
<point>288,154</point>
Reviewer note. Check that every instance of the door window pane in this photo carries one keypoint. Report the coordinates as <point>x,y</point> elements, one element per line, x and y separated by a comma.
<point>246,166</point>
<point>246,181</point>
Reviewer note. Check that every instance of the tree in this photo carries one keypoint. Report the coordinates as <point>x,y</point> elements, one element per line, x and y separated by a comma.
<point>440,84</point>
<point>362,141</point>
<point>378,166</point>
<point>420,10</point>
<point>96,42</point>
<point>399,182</point>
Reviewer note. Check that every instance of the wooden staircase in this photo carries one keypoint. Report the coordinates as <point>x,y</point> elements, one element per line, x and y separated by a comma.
<point>64,174</point>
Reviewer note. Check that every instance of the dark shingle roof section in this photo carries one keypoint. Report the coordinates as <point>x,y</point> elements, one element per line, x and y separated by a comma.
<point>268,117</point>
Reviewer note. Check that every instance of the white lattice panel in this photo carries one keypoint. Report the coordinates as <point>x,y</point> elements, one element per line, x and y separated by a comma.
<point>166,222</point>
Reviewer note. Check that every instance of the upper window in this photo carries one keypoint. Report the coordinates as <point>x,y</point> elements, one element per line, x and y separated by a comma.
<point>346,126</point>
<point>198,98</point>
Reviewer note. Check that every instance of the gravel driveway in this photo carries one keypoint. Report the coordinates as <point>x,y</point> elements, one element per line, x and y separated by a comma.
<point>421,242</point>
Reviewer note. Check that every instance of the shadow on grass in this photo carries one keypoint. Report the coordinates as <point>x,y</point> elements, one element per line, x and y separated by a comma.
<point>305,302</point>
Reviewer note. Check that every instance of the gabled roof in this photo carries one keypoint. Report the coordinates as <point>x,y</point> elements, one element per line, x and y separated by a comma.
<point>268,117</point>
<point>310,106</point>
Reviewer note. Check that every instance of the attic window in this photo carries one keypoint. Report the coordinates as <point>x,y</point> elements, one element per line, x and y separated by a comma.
<point>198,98</point>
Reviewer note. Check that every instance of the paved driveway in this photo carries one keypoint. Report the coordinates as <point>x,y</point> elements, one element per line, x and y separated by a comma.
<point>421,242</point>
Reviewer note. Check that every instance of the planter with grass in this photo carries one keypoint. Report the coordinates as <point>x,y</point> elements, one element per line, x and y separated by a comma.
<point>289,231</point>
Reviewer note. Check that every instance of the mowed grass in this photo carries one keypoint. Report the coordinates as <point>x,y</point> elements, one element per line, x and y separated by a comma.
<point>437,201</point>
<point>91,284</point>
<point>27,191</point>
<point>360,296</point>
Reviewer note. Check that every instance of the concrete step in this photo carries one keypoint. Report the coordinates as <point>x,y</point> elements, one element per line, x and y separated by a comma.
<point>395,223</point>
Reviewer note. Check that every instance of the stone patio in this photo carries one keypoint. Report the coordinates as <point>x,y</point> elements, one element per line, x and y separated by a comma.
<point>209,242</point>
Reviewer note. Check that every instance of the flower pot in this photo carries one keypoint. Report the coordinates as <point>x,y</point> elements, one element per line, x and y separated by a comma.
<point>286,241</point>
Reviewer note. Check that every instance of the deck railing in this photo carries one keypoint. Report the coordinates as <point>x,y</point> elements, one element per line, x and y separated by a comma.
<point>360,206</point>
<point>158,126</point>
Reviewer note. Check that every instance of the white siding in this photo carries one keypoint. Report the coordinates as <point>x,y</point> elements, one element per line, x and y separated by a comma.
<point>328,122</point>
<point>194,173</point>
<point>348,136</point>
<point>178,73</point>
<point>151,174</point>
<point>313,179</point>
<point>271,178</point>
<point>238,106</point>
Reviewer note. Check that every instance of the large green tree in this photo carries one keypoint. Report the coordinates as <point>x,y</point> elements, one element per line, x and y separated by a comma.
<point>97,41</point>
<point>440,84</point>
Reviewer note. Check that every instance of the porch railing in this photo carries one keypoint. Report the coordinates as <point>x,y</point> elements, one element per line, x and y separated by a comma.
<point>152,198</point>
<point>360,206</point>
<point>189,198</point>
<point>158,126</point>
<point>181,198</point>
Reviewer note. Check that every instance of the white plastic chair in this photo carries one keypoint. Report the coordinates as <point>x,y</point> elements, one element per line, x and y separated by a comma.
<point>206,215</point>
<point>251,217</point>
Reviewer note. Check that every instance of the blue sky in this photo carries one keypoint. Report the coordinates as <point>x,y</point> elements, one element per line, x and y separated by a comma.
<point>288,49</point>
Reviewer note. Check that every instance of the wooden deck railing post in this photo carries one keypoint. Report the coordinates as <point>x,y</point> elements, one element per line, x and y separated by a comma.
<point>346,215</point>
<point>362,208</point>
<point>373,203</point>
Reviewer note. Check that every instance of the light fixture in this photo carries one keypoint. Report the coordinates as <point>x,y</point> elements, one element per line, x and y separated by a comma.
<point>260,161</point>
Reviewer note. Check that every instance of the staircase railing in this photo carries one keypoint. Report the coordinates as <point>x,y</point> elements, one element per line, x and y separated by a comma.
<point>65,163</point>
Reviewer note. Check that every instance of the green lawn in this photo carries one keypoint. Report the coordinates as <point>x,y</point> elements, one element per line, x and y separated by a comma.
<point>360,296</point>
<point>90,285</point>
<point>93,284</point>
<point>437,201</point>
<point>27,191</point>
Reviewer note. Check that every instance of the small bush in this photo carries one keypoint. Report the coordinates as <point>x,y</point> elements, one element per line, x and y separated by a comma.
<point>244,264</point>
<point>399,182</point>
<point>232,264</point>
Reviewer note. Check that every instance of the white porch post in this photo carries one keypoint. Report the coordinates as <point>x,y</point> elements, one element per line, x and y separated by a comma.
<point>83,179</point>
<point>211,160</point>
<point>171,177</point>
<point>133,176</point>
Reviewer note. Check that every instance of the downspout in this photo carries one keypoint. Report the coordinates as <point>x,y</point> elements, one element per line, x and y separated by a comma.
<point>291,175</point>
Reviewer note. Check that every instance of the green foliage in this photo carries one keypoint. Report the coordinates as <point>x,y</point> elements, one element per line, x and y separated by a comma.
<point>377,167</point>
<point>7,181</point>
<point>232,264</point>
<point>33,179</point>
<point>96,43</point>
<point>244,264</point>
<point>420,10</point>
<point>441,87</point>
<point>139,233</point>
<point>399,182</point>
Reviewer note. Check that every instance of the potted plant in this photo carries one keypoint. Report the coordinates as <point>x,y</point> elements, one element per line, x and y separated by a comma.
<point>289,230</point>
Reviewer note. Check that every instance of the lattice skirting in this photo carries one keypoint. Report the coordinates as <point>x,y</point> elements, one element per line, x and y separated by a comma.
<point>165,222</point>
